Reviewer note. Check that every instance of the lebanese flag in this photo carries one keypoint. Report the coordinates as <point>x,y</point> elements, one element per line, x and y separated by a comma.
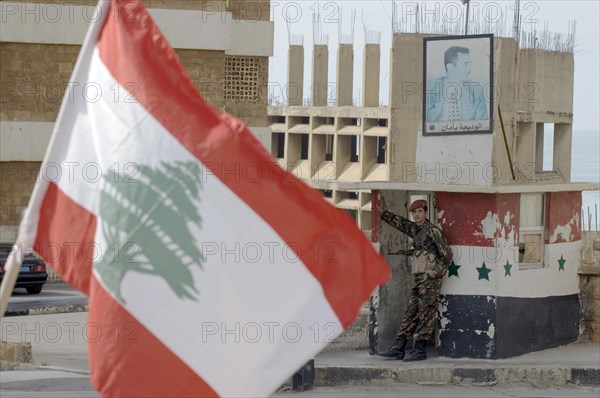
<point>210,270</point>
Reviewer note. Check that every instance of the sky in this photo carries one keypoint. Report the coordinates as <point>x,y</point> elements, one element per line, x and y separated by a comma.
<point>296,17</point>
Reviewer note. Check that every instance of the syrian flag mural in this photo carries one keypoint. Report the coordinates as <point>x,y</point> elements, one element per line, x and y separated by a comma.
<point>201,281</point>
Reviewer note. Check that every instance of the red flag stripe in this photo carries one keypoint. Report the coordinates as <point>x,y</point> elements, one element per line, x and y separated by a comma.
<point>65,237</point>
<point>227,148</point>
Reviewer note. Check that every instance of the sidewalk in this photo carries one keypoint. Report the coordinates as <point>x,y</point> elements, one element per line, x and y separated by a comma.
<point>577,363</point>
<point>59,350</point>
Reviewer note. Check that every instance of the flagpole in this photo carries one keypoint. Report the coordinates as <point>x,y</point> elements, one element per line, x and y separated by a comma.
<point>13,263</point>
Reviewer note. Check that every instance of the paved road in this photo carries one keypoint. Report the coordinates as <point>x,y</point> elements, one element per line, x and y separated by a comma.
<point>63,385</point>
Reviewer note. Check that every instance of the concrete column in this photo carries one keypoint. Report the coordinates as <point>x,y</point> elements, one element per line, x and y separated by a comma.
<point>319,75</point>
<point>371,71</point>
<point>394,295</point>
<point>345,74</point>
<point>539,147</point>
<point>295,78</point>
<point>563,136</point>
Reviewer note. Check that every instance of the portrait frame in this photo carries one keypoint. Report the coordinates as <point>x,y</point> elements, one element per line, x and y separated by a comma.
<point>458,97</point>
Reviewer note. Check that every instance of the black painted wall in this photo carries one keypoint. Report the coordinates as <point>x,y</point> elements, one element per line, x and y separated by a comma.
<point>500,327</point>
<point>533,324</point>
<point>467,322</point>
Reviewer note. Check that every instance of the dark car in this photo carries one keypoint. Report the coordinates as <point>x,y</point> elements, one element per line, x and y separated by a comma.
<point>32,274</point>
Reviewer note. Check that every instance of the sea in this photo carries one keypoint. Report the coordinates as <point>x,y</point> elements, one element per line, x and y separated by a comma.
<point>585,167</point>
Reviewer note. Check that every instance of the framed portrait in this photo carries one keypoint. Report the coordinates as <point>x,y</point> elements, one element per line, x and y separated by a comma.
<point>458,82</point>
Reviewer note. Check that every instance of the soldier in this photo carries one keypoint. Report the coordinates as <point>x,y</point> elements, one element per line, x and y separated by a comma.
<point>431,257</point>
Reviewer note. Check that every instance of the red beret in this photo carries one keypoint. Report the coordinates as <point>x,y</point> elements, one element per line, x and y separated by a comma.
<point>418,203</point>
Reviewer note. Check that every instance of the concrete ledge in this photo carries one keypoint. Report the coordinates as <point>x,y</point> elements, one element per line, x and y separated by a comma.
<point>16,352</point>
<point>329,376</point>
<point>356,337</point>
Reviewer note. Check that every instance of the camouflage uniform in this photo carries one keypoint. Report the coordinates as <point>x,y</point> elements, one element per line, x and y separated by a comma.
<point>419,319</point>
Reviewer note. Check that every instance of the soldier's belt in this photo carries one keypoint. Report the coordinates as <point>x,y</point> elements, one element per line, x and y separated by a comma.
<point>422,262</point>
<point>405,252</point>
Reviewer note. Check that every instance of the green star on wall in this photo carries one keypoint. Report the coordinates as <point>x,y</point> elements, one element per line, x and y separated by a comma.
<point>453,269</point>
<point>483,272</point>
<point>561,263</point>
<point>507,268</point>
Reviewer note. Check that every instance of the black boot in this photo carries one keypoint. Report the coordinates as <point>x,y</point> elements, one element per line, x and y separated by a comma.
<point>397,351</point>
<point>418,353</point>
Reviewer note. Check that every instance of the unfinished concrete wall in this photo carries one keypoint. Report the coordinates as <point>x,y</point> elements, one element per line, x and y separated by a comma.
<point>406,76</point>
<point>546,81</point>
<point>505,74</point>
<point>531,87</point>
<point>540,92</point>
<point>324,144</point>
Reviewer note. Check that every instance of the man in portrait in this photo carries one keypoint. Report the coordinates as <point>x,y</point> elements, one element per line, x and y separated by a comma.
<point>454,97</point>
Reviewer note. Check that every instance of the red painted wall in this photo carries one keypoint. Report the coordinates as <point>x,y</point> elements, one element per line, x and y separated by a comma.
<point>563,208</point>
<point>463,214</point>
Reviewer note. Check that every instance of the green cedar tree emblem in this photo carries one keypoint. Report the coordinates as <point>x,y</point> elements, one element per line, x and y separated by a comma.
<point>146,223</point>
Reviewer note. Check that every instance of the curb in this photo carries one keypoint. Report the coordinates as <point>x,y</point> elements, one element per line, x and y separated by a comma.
<point>330,376</point>
<point>66,370</point>
<point>8,366</point>
<point>56,307</point>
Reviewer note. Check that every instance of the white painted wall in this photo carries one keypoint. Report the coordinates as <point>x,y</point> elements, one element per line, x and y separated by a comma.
<point>24,141</point>
<point>27,141</point>
<point>522,283</point>
<point>547,281</point>
<point>467,283</point>
<point>455,159</point>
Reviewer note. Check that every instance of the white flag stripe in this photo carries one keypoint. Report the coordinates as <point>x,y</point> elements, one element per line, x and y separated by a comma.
<point>64,126</point>
<point>245,252</point>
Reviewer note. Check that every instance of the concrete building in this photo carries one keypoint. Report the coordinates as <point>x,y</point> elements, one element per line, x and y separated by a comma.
<point>514,286</point>
<point>515,228</point>
<point>324,145</point>
<point>224,46</point>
